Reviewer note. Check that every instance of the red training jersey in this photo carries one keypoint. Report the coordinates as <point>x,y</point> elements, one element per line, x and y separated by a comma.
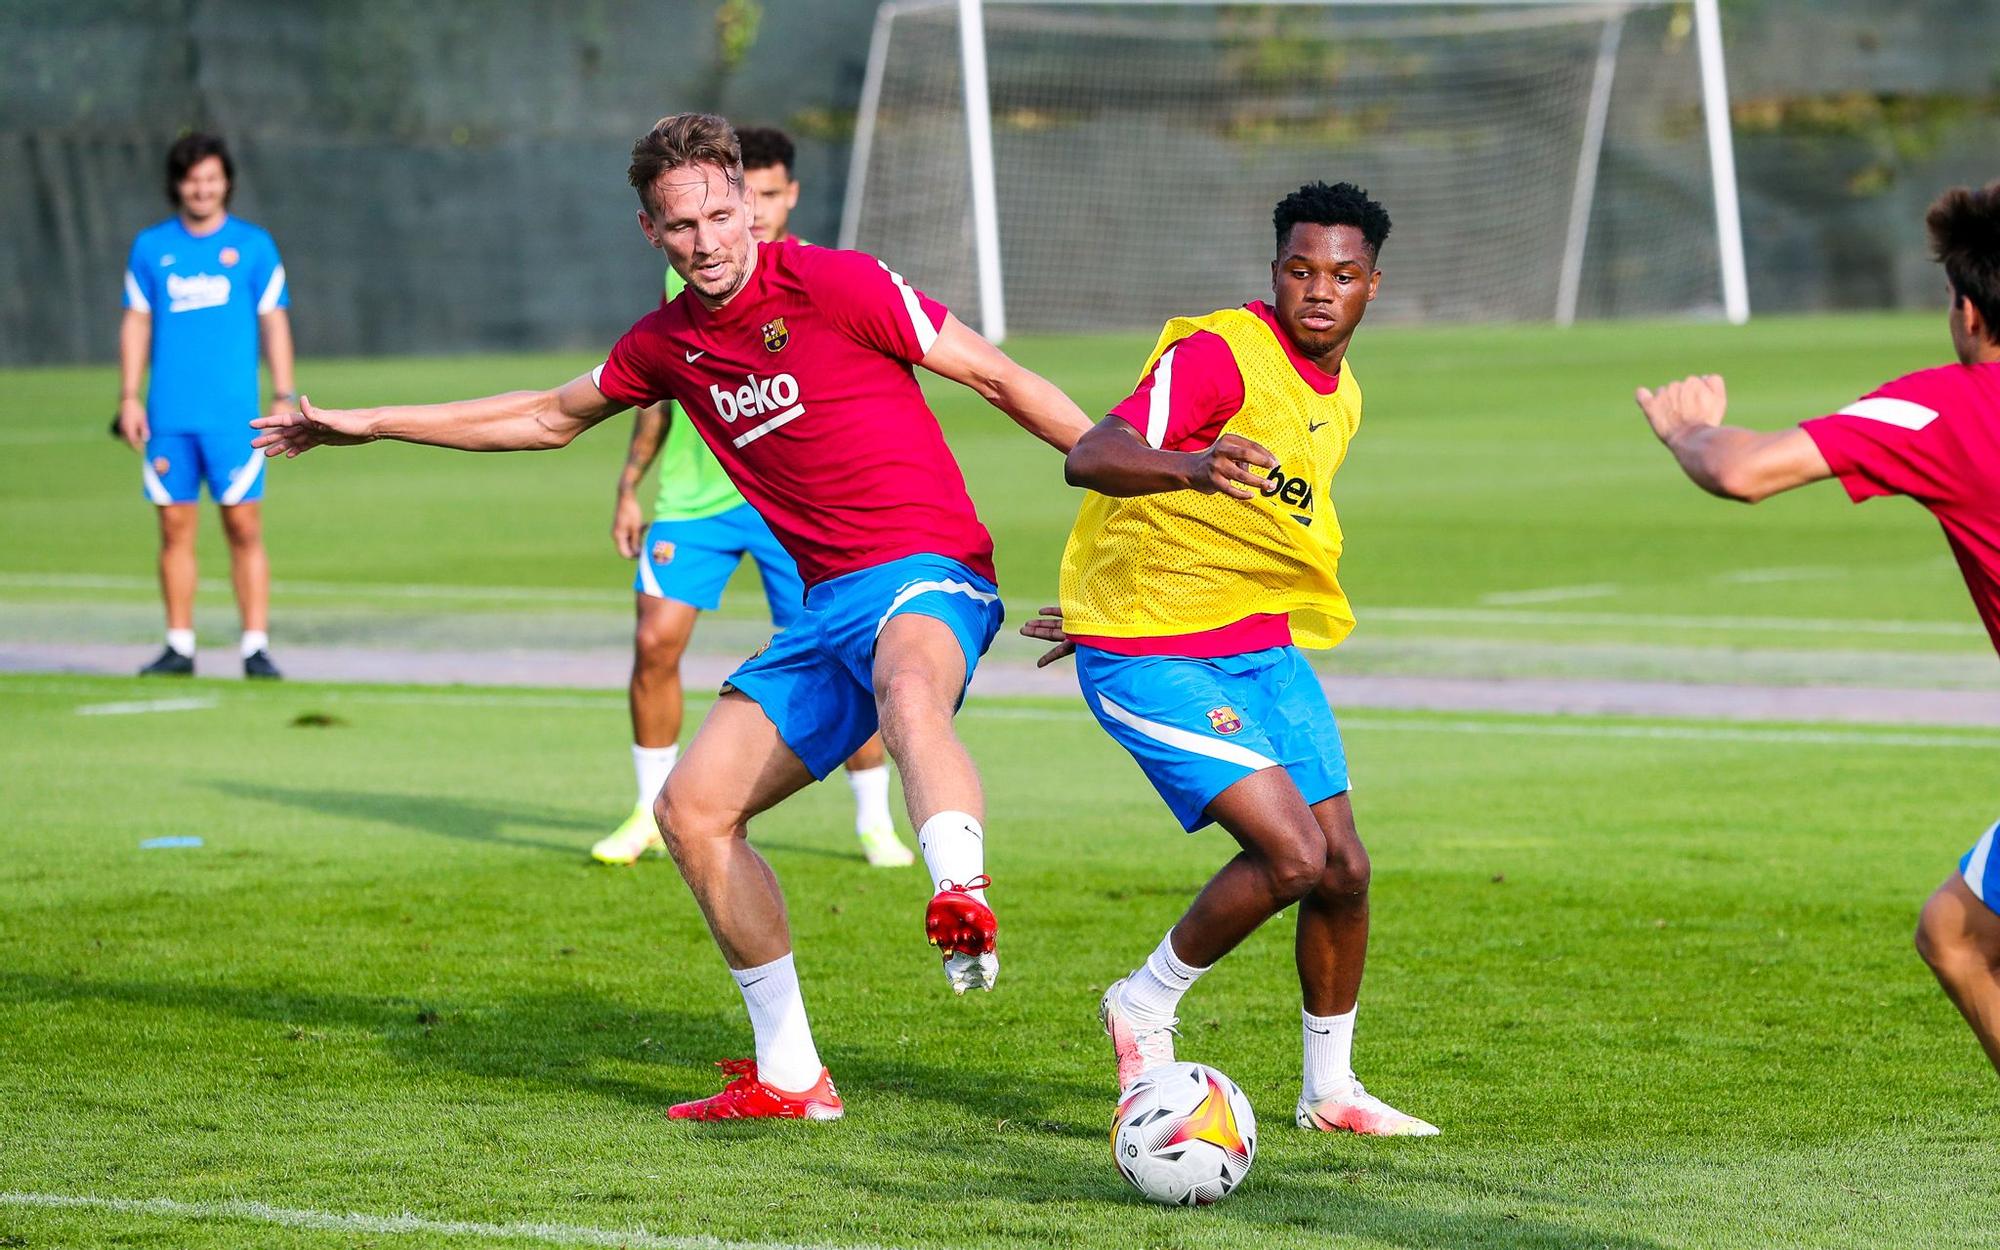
<point>1182,403</point>
<point>1934,436</point>
<point>802,386</point>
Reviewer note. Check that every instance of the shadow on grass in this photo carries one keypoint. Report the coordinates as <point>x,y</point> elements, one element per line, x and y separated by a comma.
<point>432,814</point>
<point>1305,1190</point>
<point>558,1040</point>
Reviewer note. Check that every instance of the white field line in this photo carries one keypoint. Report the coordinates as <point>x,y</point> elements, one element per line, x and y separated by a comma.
<point>1677,733</point>
<point>1456,616</point>
<point>1560,727</point>
<point>333,1221</point>
<point>1795,573</point>
<point>324,590</point>
<point>1644,620</point>
<point>1549,725</point>
<point>1548,594</point>
<point>139,707</point>
<point>49,438</point>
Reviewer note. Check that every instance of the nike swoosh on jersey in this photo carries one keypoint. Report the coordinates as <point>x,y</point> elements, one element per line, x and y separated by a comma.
<point>694,356</point>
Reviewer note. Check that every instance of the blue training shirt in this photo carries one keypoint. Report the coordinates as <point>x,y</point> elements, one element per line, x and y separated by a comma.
<point>205,294</point>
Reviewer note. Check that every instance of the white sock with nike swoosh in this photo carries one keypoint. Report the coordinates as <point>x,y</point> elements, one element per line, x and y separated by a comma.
<point>1329,1054</point>
<point>786,1056</point>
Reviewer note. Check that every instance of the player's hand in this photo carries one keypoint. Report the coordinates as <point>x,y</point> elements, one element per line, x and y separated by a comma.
<point>1679,408</point>
<point>1229,467</point>
<point>295,433</point>
<point>1048,627</point>
<point>132,424</point>
<point>628,525</point>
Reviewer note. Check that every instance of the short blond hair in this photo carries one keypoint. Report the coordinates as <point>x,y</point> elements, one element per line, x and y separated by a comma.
<point>680,141</point>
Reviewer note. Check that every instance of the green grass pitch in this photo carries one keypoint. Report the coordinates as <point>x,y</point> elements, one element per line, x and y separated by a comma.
<point>1652,978</point>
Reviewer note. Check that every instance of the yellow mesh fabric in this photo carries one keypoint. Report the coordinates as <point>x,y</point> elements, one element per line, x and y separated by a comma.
<point>1184,562</point>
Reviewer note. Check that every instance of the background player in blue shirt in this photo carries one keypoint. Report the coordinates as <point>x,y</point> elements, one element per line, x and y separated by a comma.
<point>204,292</point>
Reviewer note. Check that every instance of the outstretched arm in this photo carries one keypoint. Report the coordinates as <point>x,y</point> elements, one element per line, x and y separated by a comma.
<point>1723,459</point>
<point>516,421</point>
<point>1115,459</point>
<point>1035,403</point>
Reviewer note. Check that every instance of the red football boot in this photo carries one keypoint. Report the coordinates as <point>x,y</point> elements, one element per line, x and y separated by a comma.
<point>963,928</point>
<point>747,1098</point>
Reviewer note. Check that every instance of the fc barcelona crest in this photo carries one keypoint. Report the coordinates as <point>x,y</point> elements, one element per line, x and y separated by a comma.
<point>776,335</point>
<point>1224,720</point>
<point>663,553</point>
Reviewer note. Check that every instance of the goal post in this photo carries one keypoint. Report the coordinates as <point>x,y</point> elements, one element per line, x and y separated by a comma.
<point>1098,164</point>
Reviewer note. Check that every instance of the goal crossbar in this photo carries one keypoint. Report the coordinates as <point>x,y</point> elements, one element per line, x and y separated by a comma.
<point>977,104</point>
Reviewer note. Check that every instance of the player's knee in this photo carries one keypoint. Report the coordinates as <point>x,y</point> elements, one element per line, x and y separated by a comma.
<point>1939,942</point>
<point>908,702</point>
<point>658,648</point>
<point>1296,870</point>
<point>685,823</point>
<point>1347,872</point>
<point>242,532</point>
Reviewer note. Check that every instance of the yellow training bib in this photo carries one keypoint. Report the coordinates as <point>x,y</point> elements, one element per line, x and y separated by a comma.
<point>1184,562</point>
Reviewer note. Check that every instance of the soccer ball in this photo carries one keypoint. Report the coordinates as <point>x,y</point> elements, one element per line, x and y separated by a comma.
<point>1184,1134</point>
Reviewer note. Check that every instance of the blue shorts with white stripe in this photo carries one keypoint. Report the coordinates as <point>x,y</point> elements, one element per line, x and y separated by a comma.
<point>177,464</point>
<point>816,678</point>
<point>1197,727</point>
<point>691,561</point>
<point>1981,869</point>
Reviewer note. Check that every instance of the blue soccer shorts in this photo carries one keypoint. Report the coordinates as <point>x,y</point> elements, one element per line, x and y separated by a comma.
<point>1981,869</point>
<point>1197,727</point>
<point>691,561</point>
<point>816,678</point>
<point>177,464</point>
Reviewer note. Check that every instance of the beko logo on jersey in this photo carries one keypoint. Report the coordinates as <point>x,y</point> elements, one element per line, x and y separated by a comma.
<point>201,290</point>
<point>755,397</point>
<point>1295,491</point>
<point>774,399</point>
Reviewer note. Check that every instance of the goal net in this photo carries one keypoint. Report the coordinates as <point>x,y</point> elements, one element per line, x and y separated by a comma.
<point>1539,161</point>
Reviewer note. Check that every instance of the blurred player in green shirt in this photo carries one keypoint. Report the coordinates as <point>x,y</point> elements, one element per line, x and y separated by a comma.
<point>700,532</point>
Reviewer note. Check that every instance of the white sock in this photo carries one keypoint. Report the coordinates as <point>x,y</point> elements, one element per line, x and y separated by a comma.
<point>786,1057</point>
<point>1329,1053</point>
<point>255,640</point>
<point>180,641</point>
<point>1153,993</point>
<point>954,849</point>
<point>871,798</point>
<point>651,765</point>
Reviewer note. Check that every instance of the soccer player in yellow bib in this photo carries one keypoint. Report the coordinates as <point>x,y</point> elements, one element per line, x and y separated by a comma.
<point>1203,557</point>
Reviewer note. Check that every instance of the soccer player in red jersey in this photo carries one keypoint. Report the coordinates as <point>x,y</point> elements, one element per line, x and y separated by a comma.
<point>1934,436</point>
<point>794,363</point>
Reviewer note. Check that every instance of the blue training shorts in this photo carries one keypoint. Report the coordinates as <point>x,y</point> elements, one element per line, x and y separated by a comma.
<point>1981,869</point>
<point>177,464</point>
<point>816,678</point>
<point>691,561</point>
<point>1197,727</point>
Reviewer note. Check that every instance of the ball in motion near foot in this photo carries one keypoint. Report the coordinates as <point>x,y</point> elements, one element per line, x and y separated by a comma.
<point>1184,1134</point>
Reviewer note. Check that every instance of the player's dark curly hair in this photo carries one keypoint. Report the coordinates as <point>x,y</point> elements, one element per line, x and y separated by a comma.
<point>1342,204</point>
<point>764,147</point>
<point>191,150</point>
<point>1964,226</point>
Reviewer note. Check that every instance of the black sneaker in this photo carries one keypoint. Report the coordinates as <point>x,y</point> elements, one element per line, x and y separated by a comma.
<point>170,664</point>
<point>258,665</point>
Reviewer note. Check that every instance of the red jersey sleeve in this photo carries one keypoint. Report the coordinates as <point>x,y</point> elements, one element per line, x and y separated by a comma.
<point>872,304</point>
<point>1884,443</point>
<point>1189,394</point>
<point>628,374</point>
